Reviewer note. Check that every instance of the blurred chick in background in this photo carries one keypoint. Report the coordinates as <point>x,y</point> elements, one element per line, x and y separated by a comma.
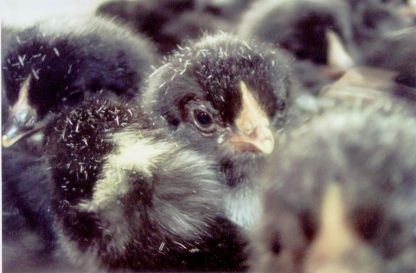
<point>372,19</point>
<point>171,23</point>
<point>317,34</point>
<point>395,52</point>
<point>340,197</point>
<point>302,27</point>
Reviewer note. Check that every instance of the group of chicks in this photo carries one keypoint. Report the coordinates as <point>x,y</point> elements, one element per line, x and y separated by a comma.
<point>192,135</point>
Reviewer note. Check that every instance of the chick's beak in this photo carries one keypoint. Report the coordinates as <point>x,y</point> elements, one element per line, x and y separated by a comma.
<point>19,126</point>
<point>22,118</point>
<point>337,247</point>
<point>338,57</point>
<point>258,140</point>
<point>253,132</point>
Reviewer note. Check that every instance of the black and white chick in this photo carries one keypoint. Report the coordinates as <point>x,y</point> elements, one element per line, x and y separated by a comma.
<point>129,196</point>
<point>316,33</point>
<point>227,98</point>
<point>341,197</point>
<point>48,68</point>
<point>57,63</point>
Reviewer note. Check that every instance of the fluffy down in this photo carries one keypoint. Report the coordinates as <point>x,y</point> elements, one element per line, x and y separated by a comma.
<point>129,197</point>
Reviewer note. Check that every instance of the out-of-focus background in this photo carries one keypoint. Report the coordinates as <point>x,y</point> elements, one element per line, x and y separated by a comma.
<point>23,13</point>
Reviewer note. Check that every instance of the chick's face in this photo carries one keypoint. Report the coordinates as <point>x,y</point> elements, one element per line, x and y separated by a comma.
<point>37,83</point>
<point>249,129</point>
<point>228,99</point>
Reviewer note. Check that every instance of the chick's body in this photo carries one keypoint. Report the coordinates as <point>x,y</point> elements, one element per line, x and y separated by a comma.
<point>129,197</point>
<point>227,98</point>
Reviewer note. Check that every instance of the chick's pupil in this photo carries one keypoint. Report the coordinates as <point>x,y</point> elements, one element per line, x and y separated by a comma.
<point>203,118</point>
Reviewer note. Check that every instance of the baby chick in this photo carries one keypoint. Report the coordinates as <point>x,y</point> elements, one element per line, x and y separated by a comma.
<point>57,63</point>
<point>317,33</point>
<point>227,98</point>
<point>168,23</point>
<point>306,28</point>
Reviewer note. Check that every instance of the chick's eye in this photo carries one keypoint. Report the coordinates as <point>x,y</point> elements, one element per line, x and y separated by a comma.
<point>203,120</point>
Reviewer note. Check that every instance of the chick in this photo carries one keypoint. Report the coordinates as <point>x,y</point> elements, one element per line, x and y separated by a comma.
<point>127,196</point>
<point>167,23</point>
<point>300,26</point>
<point>57,63</point>
<point>231,10</point>
<point>227,98</point>
<point>48,68</point>
<point>317,33</point>
<point>192,25</point>
<point>340,197</point>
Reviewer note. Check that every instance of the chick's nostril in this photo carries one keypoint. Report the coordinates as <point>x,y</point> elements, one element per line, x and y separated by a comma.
<point>250,130</point>
<point>262,133</point>
<point>23,119</point>
<point>30,123</point>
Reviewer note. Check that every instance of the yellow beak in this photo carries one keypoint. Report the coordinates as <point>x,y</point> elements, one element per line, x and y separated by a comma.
<point>254,133</point>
